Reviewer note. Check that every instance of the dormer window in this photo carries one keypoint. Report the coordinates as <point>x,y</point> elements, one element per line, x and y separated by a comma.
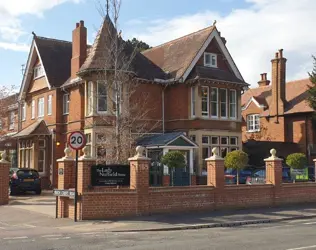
<point>38,71</point>
<point>210,60</point>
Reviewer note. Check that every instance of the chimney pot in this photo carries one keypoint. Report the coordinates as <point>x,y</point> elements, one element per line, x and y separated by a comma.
<point>77,25</point>
<point>276,55</point>
<point>81,23</point>
<point>263,82</point>
<point>281,53</point>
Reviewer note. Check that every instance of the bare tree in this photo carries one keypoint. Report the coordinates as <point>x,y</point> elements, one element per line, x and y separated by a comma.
<point>118,90</point>
<point>7,99</point>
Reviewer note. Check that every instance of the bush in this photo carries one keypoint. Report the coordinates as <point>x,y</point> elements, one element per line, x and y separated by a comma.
<point>236,160</point>
<point>296,160</point>
<point>173,159</point>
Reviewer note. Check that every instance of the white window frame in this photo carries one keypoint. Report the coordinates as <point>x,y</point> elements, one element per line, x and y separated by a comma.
<point>251,123</point>
<point>66,103</point>
<point>215,102</point>
<point>33,109</point>
<point>232,105</point>
<point>193,101</point>
<point>12,120</point>
<point>41,107</point>
<point>90,106</point>
<point>38,71</point>
<point>205,114</point>
<point>23,113</point>
<point>211,64</point>
<point>208,140</point>
<point>104,95</point>
<point>221,103</point>
<point>50,105</point>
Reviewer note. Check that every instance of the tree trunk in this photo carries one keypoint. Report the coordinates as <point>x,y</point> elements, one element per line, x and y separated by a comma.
<point>237,176</point>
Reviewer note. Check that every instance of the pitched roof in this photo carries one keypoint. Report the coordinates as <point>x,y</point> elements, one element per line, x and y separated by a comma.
<point>102,55</point>
<point>296,97</point>
<point>56,58</point>
<point>37,128</point>
<point>162,139</point>
<point>176,56</point>
<point>214,74</point>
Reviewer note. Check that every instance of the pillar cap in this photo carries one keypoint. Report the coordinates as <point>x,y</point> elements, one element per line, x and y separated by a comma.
<point>214,157</point>
<point>86,155</point>
<point>67,156</point>
<point>273,156</point>
<point>139,155</point>
<point>3,156</point>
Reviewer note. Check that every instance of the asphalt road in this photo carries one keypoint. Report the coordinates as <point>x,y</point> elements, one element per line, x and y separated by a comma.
<point>292,235</point>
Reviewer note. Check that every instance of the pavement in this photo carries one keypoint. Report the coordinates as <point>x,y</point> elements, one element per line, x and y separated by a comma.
<point>38,212</point>
<point>286,235</point>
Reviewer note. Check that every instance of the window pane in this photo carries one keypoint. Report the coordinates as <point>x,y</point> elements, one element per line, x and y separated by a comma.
<point>233,140</point>
<point>205,152</point>
<point>205,101</point>
<point>214,102</point>
<point>224,140</point>
<point>102,97</point>
<point>102,104</point>
<point>205,139</point>
<point>215,140</point>
<point>193,101</point>
<point>223,96</point>
<point>223,152</point>
<point>207,59</point>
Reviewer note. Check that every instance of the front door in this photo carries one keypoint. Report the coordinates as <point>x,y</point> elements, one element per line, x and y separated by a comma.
<point>181,176</point>
<point>156,168</point>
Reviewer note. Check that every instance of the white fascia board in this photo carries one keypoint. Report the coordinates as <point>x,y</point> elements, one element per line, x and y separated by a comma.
<point>214,34</point>
<point>254,101</point>
<point>39,56</point>
<point>184,138</point>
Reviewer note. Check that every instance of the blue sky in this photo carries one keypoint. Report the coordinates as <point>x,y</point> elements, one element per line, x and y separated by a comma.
<point>255,29</point>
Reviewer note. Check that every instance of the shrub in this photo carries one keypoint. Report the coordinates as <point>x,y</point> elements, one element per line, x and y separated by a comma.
<point>173,159</point>
<point>236,160</point>
<point>296,160</point>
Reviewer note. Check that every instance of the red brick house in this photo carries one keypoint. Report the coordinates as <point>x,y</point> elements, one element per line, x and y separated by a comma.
<point>194,87</point>
<point>278,112</point>
<point>9,127</point>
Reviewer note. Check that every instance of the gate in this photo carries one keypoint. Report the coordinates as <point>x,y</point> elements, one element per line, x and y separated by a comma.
<point>180,177</point>
<point>156,168</point>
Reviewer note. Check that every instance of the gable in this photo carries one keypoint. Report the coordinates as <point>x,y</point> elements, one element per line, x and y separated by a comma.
<point>252,104</point>
<point>39,83</point>
<point>214,37</point>
<point>181,142</point>
<point>34,58</point>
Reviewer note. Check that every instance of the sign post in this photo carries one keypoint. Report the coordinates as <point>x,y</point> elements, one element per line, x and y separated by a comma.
<point>76,141</point>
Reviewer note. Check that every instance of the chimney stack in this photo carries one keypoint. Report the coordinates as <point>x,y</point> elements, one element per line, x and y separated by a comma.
<point>278,84</point>
<point>264,81</point>
<point>79,48</point>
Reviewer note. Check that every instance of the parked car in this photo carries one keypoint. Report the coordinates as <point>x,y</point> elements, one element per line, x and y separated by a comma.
<point>24,179</point>
<point>231,176</point>
<point>311,173</point>
<point>259,176</point>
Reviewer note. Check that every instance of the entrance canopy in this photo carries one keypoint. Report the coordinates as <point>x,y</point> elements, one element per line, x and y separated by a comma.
<point>37,128</point>
<point>173,140</point>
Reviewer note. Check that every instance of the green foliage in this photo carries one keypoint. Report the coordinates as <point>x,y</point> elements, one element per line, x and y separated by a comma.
<point>296,160</point>
<point>173,159</point>
<point>236,160</point>
<point>139,45</point>
<point>312,91</point>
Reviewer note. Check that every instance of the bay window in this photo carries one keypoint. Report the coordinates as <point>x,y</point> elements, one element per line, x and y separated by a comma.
<point>102,97</point>
<point>223,96</point>
<point>232,104</point>
<point>253,123</point>
<point>33,109</point>
<point>89,108</point>
<point>49,105</point>
<point>66,104</point>
<point>214,102</point>
<point>205,101</point>
<point>11,120</point>
<point>193,101</point>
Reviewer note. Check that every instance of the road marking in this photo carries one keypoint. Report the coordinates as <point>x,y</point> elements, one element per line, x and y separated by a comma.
<point>28,225</point>
<point>301,248</point>
<point>52,235</point>
<point>2,228</point>
<point>310,223</point>
<point>63,238</point>
<point>16,238</point>
<point>297,221</point>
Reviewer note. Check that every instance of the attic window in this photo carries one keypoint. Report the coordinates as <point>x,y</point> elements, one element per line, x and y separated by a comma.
<point>38,71</point>
<point>210,60</point>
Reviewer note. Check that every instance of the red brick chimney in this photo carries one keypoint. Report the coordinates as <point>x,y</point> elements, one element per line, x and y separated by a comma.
<point>79,48</point>
<point>263,82</point>
<point>278,84</point>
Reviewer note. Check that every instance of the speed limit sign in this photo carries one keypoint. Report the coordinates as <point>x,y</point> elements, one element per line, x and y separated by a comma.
<point>77,140</point>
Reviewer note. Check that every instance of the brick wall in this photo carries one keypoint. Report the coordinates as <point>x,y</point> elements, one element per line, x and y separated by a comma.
<point>4,183</point>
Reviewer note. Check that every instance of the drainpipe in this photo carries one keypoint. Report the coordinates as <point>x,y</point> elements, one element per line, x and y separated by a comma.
<point>163,110</point>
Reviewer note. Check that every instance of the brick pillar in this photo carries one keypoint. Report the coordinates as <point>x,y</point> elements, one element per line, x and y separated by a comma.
<point>4,180</point>
<point>215,170</point>
<point>139,181</point>
<point>66,180</point>
<point>84,179</point>
<point>274,169</point>
<point>193,180</point>
<point>166,180</point>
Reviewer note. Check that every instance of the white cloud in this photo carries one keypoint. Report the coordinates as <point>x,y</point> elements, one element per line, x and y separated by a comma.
<point>11,28</point>
<point>253,34</point>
